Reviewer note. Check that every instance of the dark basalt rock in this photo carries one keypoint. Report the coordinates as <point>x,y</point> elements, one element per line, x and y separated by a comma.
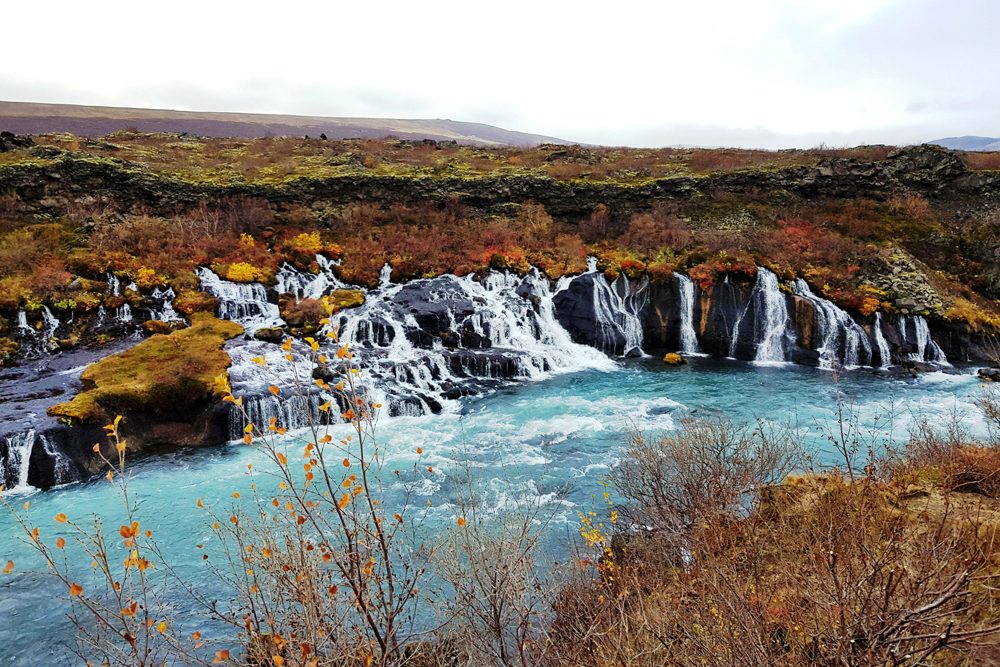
<point>661,325</point>
<point>325,372</point>
<point>724,302</point>
<point>576,310</point>
<point>991,374</point>
<point>10,141</point>
<point>270,335</point>
<point>436,306</point>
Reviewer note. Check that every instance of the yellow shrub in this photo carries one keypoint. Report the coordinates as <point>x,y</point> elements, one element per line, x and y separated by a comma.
<point>146,278</point>
<point>977,317</point>
<point>308,242</point>
<point>242,272</point>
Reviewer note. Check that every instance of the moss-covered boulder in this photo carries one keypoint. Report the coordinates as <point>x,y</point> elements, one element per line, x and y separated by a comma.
<point>168,387</point>
<point>160,327</point>
<point>8,349</point>
<point>674,359</point>
<point>194,301</point>
<point>340,299</point>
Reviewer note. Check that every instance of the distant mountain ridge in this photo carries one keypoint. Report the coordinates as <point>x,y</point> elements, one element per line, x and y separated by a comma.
<point>34,118</point>
<point>969,143</point>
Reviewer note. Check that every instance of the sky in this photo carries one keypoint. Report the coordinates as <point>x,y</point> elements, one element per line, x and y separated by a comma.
<point>752,73</point>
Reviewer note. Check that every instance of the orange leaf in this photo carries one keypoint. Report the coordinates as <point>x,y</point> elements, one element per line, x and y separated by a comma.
<point>461,521</point>
<point>9,567</point>
<point>60,543</point>
<point>347,462</point>
<point>200,504</point>
<point>75,590</point>
<point>343,501</point>
<point>221,656</point>
<point>282,459</point>
<point>247,439</point>
<point>420,450</point>
<point>274,390</point>
<point>278,660</point>
<point>61,518</point>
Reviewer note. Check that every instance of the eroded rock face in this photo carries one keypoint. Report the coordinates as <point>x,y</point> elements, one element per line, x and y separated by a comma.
<point>10,141</point>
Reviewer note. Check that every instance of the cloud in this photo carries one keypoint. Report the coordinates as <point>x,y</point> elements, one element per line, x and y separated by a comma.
<point>769,73</point>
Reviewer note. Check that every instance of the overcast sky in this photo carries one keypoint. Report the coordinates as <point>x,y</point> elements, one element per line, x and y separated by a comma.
<point>767,73</point>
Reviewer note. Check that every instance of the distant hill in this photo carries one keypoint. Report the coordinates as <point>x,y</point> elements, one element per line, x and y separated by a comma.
<point>969,143</point>
<point>31,118</point>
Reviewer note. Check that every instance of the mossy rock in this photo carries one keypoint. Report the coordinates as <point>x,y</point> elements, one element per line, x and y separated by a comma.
<point>674,359</point>
<point>8,350</point>
<point>188,303</point>
<point>340,299</point>
<point>160,327</point>
<point>165,374</point>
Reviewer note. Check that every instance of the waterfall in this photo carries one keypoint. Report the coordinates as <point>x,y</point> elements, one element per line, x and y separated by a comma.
<point>165,298</point>
<point>837,330</point>
<point>423,344</point>
<point>926,349</point>
<point>245,303</point>
<point>303,285</point>
<point>22,321</point>
<point>591,265</point>
<point>385,275</point>
<point>688,337</point>
<point>294,412</point>
<point>125,313</point>
<point>62,468</point>
<point>114,285</point>
<point>770,325</point>
<point>885,356</point>
<point>14,464</point>
<point>618,308</point>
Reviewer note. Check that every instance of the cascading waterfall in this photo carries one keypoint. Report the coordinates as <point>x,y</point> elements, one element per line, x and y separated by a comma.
<point>14,464</point>
<point>688,337</point>
<point>771,319</point>
<point>62,469</point>
<point>125,313</point>
<point>618,307</point>
<point>245,303</point>
<point>166,312</point>
<point>926,349</point>
<point>885,355</point>
<point>304,285</point>
<point>837,331</point>
<point>22,321</point>
<point>385,275</point>
<point>421,344</point>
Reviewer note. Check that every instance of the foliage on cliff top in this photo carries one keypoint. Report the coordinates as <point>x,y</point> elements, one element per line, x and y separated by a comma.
<point>164,373</point>
<point>835,243</point>
<point>275,160</point>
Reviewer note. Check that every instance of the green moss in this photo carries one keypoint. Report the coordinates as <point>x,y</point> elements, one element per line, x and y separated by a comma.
<point>165,373</point>
<point>340,299</point>
<point>8,348</point>
<point>192,302</point>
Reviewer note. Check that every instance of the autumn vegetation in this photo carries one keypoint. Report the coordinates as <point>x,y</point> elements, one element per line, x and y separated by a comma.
<point>60,255</point>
